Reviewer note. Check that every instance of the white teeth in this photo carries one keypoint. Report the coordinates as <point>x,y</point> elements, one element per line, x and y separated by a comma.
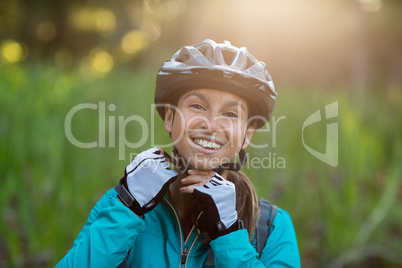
<point>207,144</point>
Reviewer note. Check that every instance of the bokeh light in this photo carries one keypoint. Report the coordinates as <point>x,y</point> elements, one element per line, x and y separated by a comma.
<point>93,19</point>
<point>105,20</point>
<point>100,61</point>
<point>134,41</point>
<point>165,10</point>
<point>12,51</point>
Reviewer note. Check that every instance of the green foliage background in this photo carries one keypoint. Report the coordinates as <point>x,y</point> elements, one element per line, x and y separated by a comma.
<point>66,53</point>
<point>345,216</point>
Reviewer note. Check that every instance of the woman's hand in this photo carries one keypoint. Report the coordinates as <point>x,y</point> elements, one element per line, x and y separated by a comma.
<point>146,180</point>
<point>218,199</point>
<point>195,179</point>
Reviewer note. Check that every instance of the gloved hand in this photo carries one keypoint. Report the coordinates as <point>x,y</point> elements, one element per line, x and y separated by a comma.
<point>146,180</point>
<point>218,199</point>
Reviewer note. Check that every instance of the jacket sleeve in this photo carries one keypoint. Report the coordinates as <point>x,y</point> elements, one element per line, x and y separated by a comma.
<point>280,251</point>
<point>106,237</point>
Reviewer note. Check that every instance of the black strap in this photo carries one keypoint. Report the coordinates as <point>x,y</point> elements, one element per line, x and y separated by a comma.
<point>210,258</point>
<point>124,195</point>
<point>264,225</point>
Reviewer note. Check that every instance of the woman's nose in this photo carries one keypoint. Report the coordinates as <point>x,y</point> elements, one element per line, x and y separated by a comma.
<point>212,123</point>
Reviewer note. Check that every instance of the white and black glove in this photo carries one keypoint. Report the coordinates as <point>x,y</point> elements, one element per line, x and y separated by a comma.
<point>146,181</point>
<point>218,199</point>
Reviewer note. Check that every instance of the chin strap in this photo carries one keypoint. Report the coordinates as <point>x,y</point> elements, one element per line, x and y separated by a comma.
<point>238,165</point>
<point>183,165</point>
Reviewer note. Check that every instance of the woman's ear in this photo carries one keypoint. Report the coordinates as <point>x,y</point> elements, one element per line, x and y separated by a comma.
<point>169,113</point>
<point>249,134</point>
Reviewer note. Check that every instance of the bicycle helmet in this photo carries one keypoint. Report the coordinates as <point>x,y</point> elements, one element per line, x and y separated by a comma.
<point>217,66</point>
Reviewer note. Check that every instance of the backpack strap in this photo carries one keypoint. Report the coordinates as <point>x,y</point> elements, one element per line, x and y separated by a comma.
<point>264,225</point>
<point>267,215</point>
<point>210,259</point>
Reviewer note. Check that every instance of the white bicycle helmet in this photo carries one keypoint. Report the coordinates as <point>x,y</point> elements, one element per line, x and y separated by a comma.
<point>217,66</point>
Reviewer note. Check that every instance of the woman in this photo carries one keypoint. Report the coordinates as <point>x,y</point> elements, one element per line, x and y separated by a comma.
<point>212,97</point>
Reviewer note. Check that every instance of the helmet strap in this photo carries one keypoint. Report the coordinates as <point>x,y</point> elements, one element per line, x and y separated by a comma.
<point>178,161</point>
<point>242,159</point>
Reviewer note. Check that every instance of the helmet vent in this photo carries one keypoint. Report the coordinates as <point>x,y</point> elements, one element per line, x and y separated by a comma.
<point>207,52</point>
<point>183,57</point>
<point>228,56</point>
<point>249,63</point>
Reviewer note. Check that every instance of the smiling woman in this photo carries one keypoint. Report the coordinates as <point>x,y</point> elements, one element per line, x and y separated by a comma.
<point>202,212</point>
<point>210,128</point>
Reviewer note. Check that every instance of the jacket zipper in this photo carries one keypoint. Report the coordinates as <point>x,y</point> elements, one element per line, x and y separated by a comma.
<point>178,222</point>
<point>195,239</point>
<point>191,247</point>
<point>184,256</point>
<point>184,252</point>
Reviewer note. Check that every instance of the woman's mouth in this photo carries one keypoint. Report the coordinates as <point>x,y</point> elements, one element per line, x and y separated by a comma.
<point>207,144</point>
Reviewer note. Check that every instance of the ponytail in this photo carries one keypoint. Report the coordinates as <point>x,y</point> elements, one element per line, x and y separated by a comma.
<point>246,200</point>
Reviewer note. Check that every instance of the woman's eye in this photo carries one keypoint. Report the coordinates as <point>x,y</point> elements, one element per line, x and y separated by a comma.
<point>230,114</point>
<point>197,106</point>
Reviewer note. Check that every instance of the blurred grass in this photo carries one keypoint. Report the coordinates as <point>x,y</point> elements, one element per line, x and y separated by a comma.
<point>345,216</point>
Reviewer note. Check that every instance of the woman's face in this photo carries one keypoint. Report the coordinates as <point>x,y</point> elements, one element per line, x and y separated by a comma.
<point>208,127</point>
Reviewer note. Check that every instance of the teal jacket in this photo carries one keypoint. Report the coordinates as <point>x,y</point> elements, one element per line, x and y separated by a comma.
<point>113,231</point>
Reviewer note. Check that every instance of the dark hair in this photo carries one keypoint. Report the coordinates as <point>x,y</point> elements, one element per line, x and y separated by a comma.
<point>246,200</point>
